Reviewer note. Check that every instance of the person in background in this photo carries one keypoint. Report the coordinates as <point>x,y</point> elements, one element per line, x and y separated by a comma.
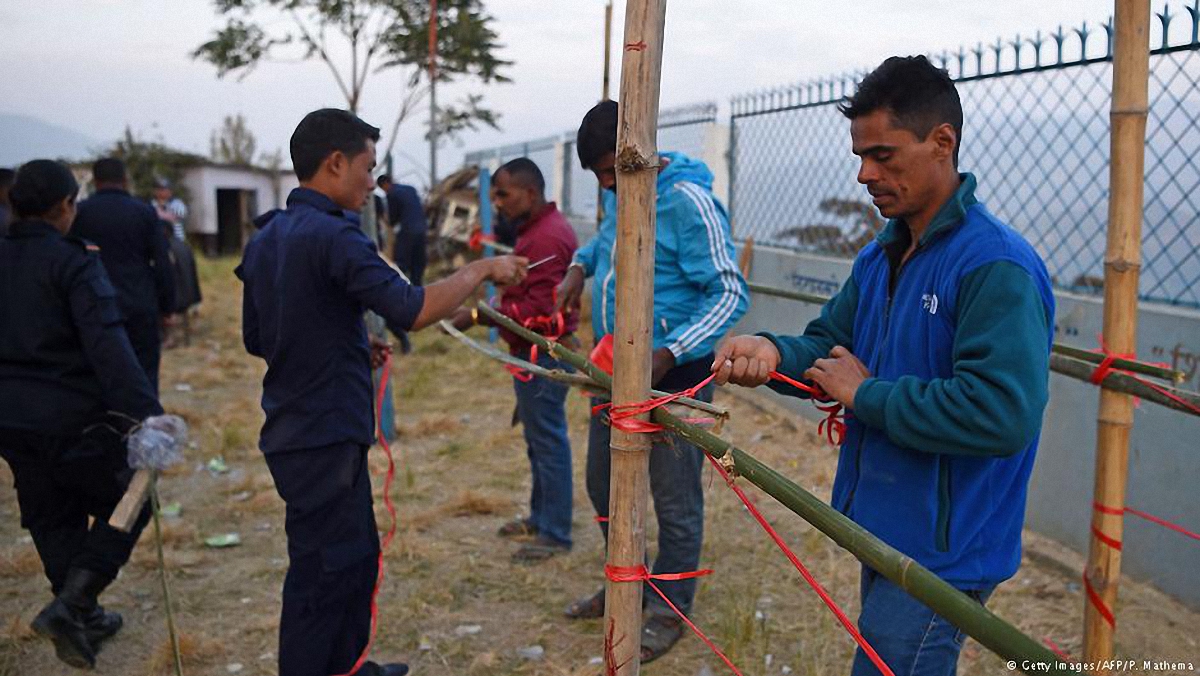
<point>70,388</point>
<point>407,217</point>
<point>136,256</point>
<point>544,237</point>
<point>6,180</point>
<point>170,208</point>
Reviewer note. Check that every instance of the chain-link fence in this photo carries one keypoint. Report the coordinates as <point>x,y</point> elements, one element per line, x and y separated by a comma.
<point>680,129</point>
<point>1036,134</point>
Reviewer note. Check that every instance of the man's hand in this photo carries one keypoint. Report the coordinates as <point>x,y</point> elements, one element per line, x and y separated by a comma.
<point>839,375</point>
<point>662,360</point>
<point>506,270</point>
<point>569,289</point>
<point>745,360</point>
<point>380,349</point>
<point>462,319</point>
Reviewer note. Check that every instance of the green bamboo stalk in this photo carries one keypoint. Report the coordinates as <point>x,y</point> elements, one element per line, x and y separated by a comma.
<point>1123,382</point>
<point>1167,374</point>
<point>961,610</point>
<point>162,572</point>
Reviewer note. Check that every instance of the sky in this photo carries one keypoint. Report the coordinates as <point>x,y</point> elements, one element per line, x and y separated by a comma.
<point>96,66</point>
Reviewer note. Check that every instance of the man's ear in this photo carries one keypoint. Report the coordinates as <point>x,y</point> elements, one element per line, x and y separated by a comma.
<point>337,163</point>
<point>945,140</point>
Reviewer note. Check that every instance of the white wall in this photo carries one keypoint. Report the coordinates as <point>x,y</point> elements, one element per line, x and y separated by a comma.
<point>204,181</point>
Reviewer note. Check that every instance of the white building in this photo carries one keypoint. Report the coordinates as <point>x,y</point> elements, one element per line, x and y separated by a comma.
<point>224,199</point>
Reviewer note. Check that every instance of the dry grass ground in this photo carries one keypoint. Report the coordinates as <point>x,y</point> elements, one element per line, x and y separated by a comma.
<point>463,473</point>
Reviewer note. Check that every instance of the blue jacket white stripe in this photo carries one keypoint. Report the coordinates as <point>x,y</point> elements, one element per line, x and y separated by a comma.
<point>698,291</point>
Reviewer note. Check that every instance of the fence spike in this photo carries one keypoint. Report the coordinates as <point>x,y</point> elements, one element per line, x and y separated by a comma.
<point>1059,38</point>
<point>1164,18</point>
<point>1036,41</point>
<point>1017,43</point>
<point>979,57</point>
<point>1083,33</point>
<point>1109,29</point>
<point>962,58</point>
<point>998,48</point>
<point>1194,10</point>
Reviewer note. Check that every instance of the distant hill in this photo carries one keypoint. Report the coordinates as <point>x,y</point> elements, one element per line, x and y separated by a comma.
<point>24,138</point>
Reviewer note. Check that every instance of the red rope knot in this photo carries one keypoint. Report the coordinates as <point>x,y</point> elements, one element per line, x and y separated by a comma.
<point>639,573</point>
<point>551,326</point>
<point>478,239</point>
<point>624,417</point>
<point>833,426</point>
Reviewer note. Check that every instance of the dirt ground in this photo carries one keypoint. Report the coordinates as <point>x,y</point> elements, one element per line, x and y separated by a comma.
<point>453,603</point>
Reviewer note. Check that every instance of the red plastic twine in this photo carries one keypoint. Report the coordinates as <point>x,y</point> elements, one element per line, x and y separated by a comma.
<point>640,574</point>
<point>833,426</point>
<point>623,417</point>
<point>391,509</point>
<point>1104,509</point>
<point>478,239</point>
<point>845,621</point>
<point>551,326</point>
<point>1105,368</point>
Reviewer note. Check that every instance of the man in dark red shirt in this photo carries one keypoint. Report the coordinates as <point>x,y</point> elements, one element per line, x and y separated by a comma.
<point>544,237</point>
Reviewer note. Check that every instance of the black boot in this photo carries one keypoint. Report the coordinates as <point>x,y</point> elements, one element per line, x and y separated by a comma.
<point>101,624</point>
<point>375,669</point>
<point>73,617</point>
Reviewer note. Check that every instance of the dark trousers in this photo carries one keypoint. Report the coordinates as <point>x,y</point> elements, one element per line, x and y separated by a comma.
<point>60,482</point>
<point>409,253</point>
<point>678,493</point>
<point>144,335</point>
<point>333,550</point>
<point>542,409</point>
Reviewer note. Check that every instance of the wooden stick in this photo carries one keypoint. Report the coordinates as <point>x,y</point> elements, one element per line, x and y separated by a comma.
<point>1126,384</point>
<point>1122,261</point>
<point>637,175</point>
<point>130,506</point>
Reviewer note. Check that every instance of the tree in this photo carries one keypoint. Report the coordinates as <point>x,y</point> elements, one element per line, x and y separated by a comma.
<point>233,143</point>
<point>149,161</point>
<point>381,35</point>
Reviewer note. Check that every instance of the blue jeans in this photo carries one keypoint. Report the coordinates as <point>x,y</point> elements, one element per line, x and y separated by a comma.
<point>911,638</point>
<point>541,408</point>
<point>678,493</point>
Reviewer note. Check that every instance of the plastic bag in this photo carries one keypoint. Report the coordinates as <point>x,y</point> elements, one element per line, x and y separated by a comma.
<point>157,443</point>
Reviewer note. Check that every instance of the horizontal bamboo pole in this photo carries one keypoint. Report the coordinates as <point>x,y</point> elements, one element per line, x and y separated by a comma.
<point>577,379</point>
<point>961,610</point>
<point>1058,348</point>
<point>1127,384</point>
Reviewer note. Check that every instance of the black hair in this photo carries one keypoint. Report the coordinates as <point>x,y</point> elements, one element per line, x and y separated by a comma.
<point>597,133</point>
<point>40,186</point>
<point>108,170</point>
<point>383,178</point>
<point>526,172</point>
<point>323,132</point>
<point>6,177</point>
<point>917,94</point>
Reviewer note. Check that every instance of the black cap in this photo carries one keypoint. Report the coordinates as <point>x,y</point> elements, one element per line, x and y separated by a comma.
<point>39,186</point>
<point>597,134</point>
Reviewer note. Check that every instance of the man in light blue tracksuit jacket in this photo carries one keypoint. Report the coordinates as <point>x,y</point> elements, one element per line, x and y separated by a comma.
<point>938,346</point>
<point>698,295</point>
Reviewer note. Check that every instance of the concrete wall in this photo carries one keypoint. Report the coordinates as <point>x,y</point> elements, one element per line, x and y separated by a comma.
<point>1164,459</point>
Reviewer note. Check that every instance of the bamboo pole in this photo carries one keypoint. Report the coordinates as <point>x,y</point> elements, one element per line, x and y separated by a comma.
<point>1127,384</point>
<point>1133,366</point>
<point>637,174</point>
<point>974,619</point>
<point>1122,262</point>
<point>607,50</point>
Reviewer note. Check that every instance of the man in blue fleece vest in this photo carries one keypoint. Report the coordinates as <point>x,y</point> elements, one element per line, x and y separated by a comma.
<point>938,346</point>
<point>698,295</point>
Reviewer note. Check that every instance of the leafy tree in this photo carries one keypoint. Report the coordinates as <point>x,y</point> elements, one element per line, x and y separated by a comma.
<point>380,35</point>
<point>148,161</point>
<point>233,143</point>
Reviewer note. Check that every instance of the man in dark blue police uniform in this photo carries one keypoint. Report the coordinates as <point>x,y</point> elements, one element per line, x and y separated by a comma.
<point>70,386</point>
<point>309,275</point>
<point>135,254</point>
<point>406,215</point>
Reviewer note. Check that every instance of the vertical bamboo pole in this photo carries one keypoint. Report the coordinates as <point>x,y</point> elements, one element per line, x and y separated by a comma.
<point>608,12</point>
<point>433,131</point>
<point>1122,261</point>
<point>637,174</point>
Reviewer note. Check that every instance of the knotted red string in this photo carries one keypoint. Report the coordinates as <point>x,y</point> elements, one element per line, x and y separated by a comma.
<point>1098,602</point>
<point>478,239</point>
<point>623,417</point>
<point>833,425</point>
<point>391,509</point>
<point>812,582</point>
<point>1104,509</point>
<point>640,574</point>
<point>551,326</point>
<point>1106,368</point>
